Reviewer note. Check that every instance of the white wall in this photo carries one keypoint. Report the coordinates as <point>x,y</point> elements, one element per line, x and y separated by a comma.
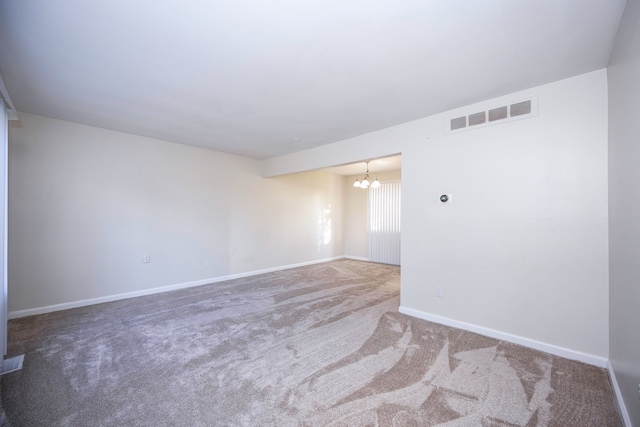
<point>356,230</point>
<point>523,247</point>
<point>86,204</point>
<point>522,250</point>
<point>624,208</point>
<point>4,146</point>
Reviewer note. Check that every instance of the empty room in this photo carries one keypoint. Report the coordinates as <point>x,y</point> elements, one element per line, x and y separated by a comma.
<point>407,213</point>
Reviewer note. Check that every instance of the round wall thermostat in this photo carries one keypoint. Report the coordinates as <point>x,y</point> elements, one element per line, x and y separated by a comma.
<point>444,198</point>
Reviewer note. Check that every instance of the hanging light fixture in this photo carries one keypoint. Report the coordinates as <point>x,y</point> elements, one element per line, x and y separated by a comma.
<point>364,182</point>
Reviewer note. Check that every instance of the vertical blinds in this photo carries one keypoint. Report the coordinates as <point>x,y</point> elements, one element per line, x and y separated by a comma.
<point>384,223</point>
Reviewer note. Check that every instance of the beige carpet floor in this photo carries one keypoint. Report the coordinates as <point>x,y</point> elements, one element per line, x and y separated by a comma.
<point>322,345</point>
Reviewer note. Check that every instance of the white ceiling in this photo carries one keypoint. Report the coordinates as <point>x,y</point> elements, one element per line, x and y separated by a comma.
<point>266,78</point>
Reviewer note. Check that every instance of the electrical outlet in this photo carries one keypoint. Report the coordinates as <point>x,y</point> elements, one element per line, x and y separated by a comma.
<point>439,292</point>
<point>146,259</point>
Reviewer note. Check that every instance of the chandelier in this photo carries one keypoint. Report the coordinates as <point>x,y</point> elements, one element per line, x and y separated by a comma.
<point>364,182</point>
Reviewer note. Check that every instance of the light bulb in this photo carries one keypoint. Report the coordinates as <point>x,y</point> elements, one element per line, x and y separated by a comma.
<point>375,184</point>
<point>364,183</point>
<point>356,184</point>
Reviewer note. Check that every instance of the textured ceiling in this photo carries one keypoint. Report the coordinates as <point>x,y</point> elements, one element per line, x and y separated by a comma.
<point>262,79</point>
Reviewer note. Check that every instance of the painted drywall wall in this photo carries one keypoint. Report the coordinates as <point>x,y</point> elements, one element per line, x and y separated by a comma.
<point>523,248</point>
<point>624,208</point>
<point>86,204</point>
<point>356,232</point>
<point>4,145</point>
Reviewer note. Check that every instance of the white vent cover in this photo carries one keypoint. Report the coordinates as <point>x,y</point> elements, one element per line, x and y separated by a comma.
<point>522,109</point>
<point>11,365</point>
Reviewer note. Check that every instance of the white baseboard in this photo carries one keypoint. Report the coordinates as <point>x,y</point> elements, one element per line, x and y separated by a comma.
<point>109,298</point>
<point>598,361</point>
<point>357,258</point>
<point>616,390</point>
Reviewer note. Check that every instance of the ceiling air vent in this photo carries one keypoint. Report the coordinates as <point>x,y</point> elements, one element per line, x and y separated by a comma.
<point>459,123</point>
<point>521,108</point>
<point>477,118</point>
<point>498,114</point>
<point>506,113</point>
